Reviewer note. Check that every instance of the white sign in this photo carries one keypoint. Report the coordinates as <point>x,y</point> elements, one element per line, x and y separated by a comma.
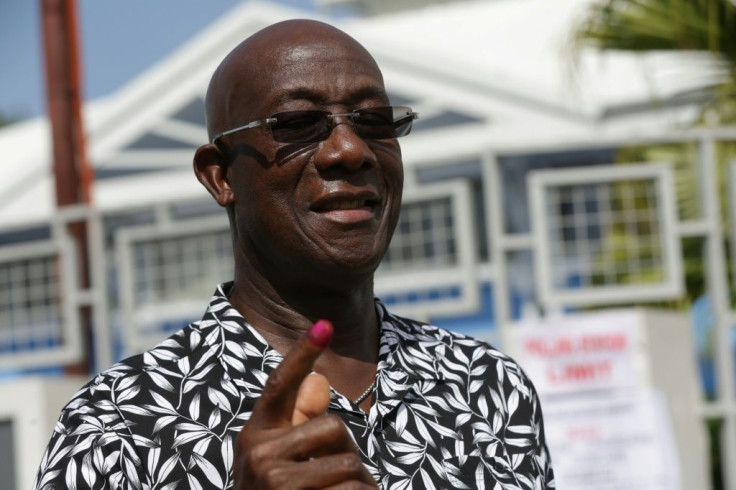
<point>605,429</point>
<point>591,351</point>
<point>611,441</point>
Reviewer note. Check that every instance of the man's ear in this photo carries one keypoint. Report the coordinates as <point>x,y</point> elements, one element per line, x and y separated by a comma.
<point>211,170</point>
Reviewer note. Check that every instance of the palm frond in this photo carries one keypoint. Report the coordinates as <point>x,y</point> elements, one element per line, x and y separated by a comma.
<point>646,25</point>
<point>704,26</point>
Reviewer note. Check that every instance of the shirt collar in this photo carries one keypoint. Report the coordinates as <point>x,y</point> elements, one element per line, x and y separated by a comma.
<point>407,354</point>
<point>408,346</point>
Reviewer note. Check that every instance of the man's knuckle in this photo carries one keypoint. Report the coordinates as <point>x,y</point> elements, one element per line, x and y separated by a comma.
<point>299,439</point>
<point>257,456</point>
<point>275,382</point>
<point>333,424</point>
<point>351,462</point>
<point>276,476</point>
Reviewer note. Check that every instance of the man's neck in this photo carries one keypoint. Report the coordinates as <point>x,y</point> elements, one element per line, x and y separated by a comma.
<point>282,313</point>
<point>282,317</point>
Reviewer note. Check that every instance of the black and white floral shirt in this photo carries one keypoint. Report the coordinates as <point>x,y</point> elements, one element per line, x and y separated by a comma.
<point>448,412</point>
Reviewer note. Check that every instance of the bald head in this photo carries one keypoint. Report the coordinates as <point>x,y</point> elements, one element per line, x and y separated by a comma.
<point>272,59</point>
<point>280,192</point>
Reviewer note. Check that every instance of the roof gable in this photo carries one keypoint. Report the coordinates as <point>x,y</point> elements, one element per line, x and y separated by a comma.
<point>479,73</point>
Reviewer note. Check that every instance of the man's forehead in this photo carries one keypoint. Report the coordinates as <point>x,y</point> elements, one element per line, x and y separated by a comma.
<point>291,41</point>
<point>275,59</point>
<point>309,71</point>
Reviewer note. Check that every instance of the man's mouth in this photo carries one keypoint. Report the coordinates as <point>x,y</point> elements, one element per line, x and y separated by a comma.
<point>351,204</point>
<point>345,208</point>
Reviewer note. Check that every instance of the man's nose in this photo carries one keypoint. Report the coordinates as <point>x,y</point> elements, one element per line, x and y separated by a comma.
<point>344,148</point>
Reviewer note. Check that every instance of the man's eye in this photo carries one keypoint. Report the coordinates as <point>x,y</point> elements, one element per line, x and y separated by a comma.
<point>372,120</point>
<point>296,124</point>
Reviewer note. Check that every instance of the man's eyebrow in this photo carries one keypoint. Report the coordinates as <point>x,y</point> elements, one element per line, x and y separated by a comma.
<point>310,95</point>
<point>368,93</point>
<point>300,93</point>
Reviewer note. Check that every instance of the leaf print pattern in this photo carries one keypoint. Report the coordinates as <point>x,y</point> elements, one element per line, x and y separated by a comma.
<point>448,412</point>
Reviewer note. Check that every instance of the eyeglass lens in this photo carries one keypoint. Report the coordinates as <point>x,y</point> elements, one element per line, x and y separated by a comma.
<point>371,123</point>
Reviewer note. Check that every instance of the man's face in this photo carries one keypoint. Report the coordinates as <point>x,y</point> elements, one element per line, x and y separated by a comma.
<point>330,205</point>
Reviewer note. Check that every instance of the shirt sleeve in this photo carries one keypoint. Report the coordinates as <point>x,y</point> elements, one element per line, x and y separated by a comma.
<point>542,455</point>
<point>527,415</point>
<point>91,447</point>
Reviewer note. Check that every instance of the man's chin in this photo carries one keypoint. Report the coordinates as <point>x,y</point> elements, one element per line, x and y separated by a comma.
<point>351,263</point>
<point>355,263</point>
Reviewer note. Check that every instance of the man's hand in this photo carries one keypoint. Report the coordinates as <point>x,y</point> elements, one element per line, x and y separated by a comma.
<point>289,442</point>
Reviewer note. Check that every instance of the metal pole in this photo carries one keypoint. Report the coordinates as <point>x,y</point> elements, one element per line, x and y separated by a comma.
<point>717,286</point>
<point>72,174</point>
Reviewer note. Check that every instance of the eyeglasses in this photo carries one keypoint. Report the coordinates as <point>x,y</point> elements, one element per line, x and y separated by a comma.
<point>311,126</point>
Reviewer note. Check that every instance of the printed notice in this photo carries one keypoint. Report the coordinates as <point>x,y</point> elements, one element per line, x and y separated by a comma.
<point>606,430</point>
<point>611,441</point>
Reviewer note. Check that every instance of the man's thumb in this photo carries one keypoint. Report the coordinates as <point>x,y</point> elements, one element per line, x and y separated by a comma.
<point>312,399</point>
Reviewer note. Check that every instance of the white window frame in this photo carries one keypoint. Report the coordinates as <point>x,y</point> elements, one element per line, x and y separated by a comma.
<point>463,274</point>
<point>70,349</point>
<point>671,287</point>
<point>135,337</point>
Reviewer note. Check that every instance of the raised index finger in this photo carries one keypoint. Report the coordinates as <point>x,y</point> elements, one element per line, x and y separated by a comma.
<point>276,404</point>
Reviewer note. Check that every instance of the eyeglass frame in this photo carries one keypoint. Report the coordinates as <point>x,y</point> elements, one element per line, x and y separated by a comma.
<point>272,119</point>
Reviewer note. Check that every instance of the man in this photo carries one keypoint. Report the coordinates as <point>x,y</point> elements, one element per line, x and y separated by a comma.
<point>304,157</point>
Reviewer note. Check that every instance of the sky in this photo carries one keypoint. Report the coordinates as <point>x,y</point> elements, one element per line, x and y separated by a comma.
<point>119,39</point>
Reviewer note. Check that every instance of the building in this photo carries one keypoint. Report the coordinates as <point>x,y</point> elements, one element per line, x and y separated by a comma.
<point>479,242</point>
